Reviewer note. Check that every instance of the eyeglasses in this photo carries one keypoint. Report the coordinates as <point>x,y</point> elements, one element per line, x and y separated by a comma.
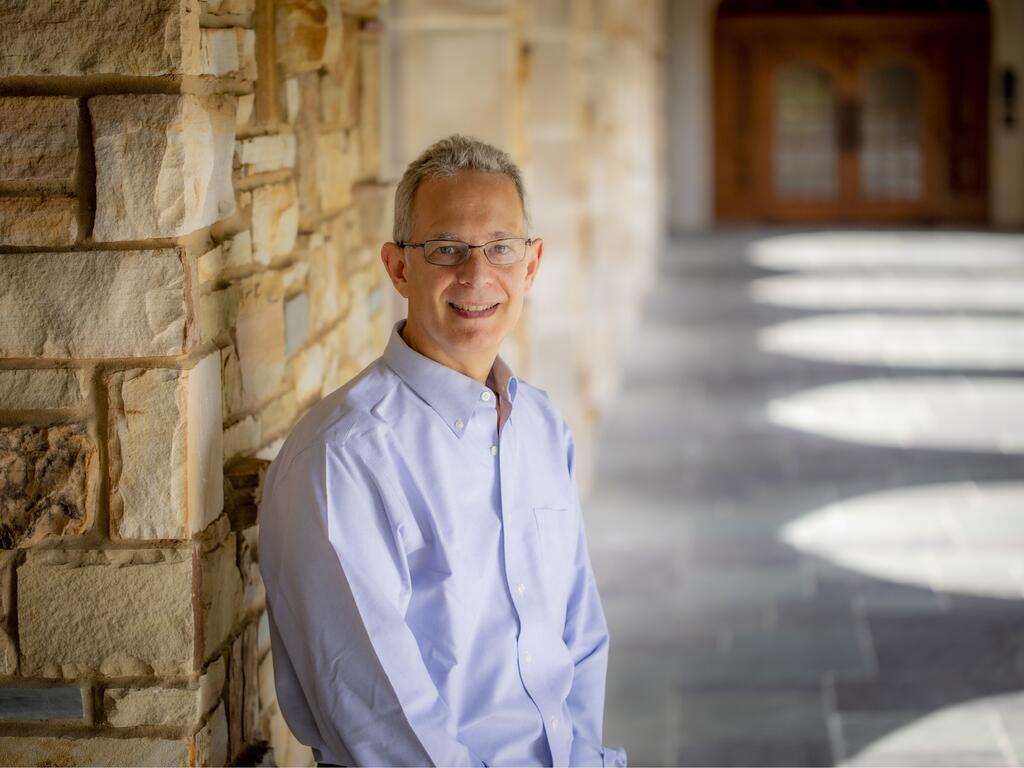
<point>451,253</point>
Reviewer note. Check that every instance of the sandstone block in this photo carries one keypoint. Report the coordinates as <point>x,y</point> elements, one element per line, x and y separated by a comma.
<point>220,594</point>
<point>8,650</point>
<point>376,205</point>
<point>211,742</point>
<point>116,613</point>
<point>294,278</point>
<point>228,6</point>
<point>275,221</point>
<point>251,730</point>
<point>262,154</point>
<point>228,51</point>
<point>181,707</point>
<point>296,320</point>
<point>38,137</point>
<point>231,381</point>
<point>39,222</point>
<point>242,438</point>
<point>337,168</point>
<point>47,483</point>
<point>268,691</point>
<point>254,598</point>
<point>292,100</point>
<point>211,684</point>
<point>308,33</point>
<point>369,106</point>
<point>168,482</point>
<point>236,681</point>
<point>233,253</point>
<point>42,388</point>
<point>92,750</point>
<point>307,129</point>
<point>260,337</point>
<point>278,416</point>
<point>328,290</point>
<point>364,8</point>
<point>163,164</point>
<point>87,37</point>
<point>359,318</point>
<point>126,707</point>
<point>349,230</point>
<point>308,372</point>
<point>7,559</point>
<point>340,83</point>
<point>246,106</point>
<point>218,312</point>
<point>92,304</point>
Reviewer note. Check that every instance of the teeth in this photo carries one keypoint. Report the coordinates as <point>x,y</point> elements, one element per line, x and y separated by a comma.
<point>472,307</point>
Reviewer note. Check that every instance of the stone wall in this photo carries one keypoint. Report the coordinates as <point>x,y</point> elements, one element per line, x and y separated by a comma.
<point>190,209</point>
<point>192,196</point>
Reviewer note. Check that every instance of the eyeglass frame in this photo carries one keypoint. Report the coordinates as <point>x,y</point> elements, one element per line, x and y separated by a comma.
<point>527,242</point>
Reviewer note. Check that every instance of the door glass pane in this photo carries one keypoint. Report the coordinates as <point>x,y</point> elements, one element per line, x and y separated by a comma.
<point>890,159</point>
<point>805,134</point>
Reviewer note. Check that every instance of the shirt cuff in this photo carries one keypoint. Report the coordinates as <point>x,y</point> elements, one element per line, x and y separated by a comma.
<point>614,756</point>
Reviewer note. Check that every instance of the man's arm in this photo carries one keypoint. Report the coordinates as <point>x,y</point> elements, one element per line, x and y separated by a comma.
<point>337,585</point>
<point>586,636</point>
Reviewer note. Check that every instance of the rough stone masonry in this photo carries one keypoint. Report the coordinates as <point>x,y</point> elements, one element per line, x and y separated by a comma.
<point>188,212</point>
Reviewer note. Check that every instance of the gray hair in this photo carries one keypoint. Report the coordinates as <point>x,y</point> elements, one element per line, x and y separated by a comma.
<point>448,157</point>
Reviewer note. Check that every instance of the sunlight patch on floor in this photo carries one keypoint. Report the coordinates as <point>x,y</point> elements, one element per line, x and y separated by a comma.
<point>967,251</point>
<point>951,537</point>
<point>913,341</point>
<point>942,413</point>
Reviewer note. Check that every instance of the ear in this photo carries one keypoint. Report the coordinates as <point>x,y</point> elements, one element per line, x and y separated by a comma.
<point>533,257</point>
<point>393,257</point>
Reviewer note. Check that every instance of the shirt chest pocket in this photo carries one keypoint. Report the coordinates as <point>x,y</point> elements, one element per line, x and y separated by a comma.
<point>556,528</point>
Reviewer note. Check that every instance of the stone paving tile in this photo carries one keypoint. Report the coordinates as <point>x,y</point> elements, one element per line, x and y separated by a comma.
<point>752,753</point>
<point>978,647</point>
<point>930,759</point>
<point>759,715</point>
<point>910,694</point>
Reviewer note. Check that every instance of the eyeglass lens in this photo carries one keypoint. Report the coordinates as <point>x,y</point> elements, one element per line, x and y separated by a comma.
<point>448,253</point>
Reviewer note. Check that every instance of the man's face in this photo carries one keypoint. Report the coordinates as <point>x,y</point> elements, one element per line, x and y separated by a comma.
<point>459,315</point>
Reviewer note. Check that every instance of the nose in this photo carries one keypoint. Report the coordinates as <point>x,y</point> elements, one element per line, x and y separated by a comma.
<point>475,270</point>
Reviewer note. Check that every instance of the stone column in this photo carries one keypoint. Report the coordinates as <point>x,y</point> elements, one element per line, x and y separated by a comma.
<point>189,214</point>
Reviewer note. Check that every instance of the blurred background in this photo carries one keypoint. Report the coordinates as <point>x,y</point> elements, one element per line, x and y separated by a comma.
<point>781,306</point>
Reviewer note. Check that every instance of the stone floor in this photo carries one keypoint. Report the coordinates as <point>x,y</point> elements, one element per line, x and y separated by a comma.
<point>808,516</point>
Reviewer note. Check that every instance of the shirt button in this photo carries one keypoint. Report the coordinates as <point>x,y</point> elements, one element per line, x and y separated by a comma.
<point>459,423</point>
<point>520,587</point>
<point>494,450</point>
<point>554,722</point>
<point>527,658</point>
<point>485,395</point>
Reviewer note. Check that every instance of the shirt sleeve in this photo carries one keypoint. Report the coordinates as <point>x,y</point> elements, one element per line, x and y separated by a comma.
<point>586,636</point>
<point>337,582</point>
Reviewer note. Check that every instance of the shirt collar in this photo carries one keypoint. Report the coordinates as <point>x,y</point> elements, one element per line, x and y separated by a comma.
<point>454,396</point>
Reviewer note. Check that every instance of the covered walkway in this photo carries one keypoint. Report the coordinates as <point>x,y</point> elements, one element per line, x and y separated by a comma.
<point>808,513</point>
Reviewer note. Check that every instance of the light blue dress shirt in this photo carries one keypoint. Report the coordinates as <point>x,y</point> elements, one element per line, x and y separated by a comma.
<point>430,595</point>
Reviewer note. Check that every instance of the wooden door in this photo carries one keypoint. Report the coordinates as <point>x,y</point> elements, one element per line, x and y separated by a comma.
<point>852,118</point>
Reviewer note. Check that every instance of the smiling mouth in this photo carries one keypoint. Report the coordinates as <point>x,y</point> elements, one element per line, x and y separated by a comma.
<point>473,310</point>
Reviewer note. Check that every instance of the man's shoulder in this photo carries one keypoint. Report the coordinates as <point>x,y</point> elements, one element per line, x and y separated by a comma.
<point>538,403</point>
<point>345,414</point>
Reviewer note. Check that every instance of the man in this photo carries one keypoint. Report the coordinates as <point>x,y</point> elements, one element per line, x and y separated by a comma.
<point>430,595</point>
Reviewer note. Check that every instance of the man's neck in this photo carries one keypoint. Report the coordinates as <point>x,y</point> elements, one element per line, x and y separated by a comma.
<point>477,369</point>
